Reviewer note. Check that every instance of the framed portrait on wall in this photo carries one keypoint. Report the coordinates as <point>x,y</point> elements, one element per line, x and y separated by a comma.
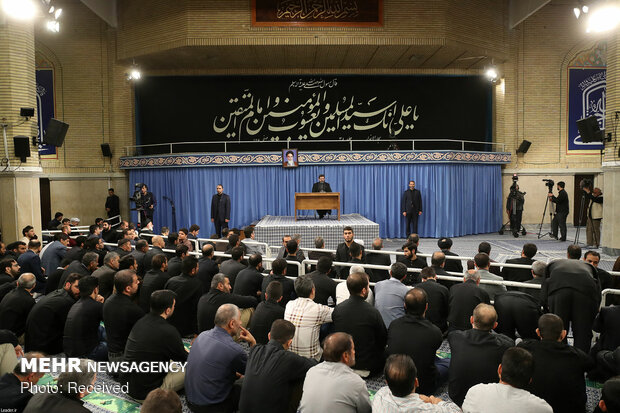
<point>289,158</point>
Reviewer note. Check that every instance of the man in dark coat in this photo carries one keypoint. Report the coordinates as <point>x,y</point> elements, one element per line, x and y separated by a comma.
<point>464,297</point>
<point>30,262</point>
<point>207,267</point>
<point>188,291</point>
<point>411,208</point>
<point>518,311</point>
<point>112,204</point>
<point>322,186</point>
<point>220,209</point>
<point>520,274</point>
<point>438,298</point>
<point>267,312</point>
<point>561,212</point>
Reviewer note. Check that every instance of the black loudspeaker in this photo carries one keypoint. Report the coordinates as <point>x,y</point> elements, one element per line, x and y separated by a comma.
<point>26,112</point>
<point>55,132</point>
<point>105,150</point>
<point>524,147</point>
<point>589,130</point>
<point>22,147</point>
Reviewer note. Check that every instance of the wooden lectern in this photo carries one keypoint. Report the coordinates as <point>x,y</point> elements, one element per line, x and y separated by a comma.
<point>317,200</point>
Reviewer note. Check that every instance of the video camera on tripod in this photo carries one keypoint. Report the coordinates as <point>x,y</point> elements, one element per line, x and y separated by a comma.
<point>549,183</point>
<point>137,196</point>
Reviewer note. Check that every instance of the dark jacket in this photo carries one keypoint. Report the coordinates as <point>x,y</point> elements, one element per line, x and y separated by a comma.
<point>231,268</point>
<point>153,280</point>
<point>452,265</point>
<point>147,262</point>
<point>220,207</point>
<point>517,274</point>
<point>517,311</point>
<point>29,261</point>
<point>46,322</point>
<point>561,202</point>
<point>81,334</point>
<point>475,357</point>
<point>105,275</point>
<point>75,253</point>
<point>606,323</point>
<point>12,397</point>
<point>52,257</point>
<point>321,187</point>
<point>75,266</point>
<point>113,202</point>
<point>210,302</point>
<point>120,314</point>
<point>364,322</point>
<point>188,290</point>
<point>325,287</point>
<point>174,267</point>
<point>270,374</point>
<point>288,288</point>
<point>463,299</point>
<point>418,338</point>
<point>14,310</point>
<point>412,202</point>
<point>55,403</point>
<point>207,268</point>
<point>379,259</point>
<point>343,255</point>
<point>438,299</point>
<point>248,282</point>
<point>260,324</point>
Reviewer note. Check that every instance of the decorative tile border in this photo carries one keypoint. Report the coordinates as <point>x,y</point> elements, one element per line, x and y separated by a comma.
<point>312,158</point>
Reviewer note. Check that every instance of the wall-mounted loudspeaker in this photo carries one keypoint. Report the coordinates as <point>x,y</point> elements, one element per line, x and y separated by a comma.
<point>105,150</point>
<point>524,147</point>
<point>55,132</point>
<point>22,147</point>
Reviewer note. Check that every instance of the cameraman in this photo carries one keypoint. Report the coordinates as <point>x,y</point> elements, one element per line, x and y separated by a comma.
<point>514,208</point>
<point>561,211</point>
<point>147,201</point>
<point>595,214</point>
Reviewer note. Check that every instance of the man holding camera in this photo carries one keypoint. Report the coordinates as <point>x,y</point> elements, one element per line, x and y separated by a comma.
<point>561,211</point>
<point>514,207</point>
<point>595,214</point>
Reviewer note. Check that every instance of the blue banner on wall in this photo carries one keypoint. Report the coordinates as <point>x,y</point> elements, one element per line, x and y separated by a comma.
<point>586,97</point>
<point>45,109</point>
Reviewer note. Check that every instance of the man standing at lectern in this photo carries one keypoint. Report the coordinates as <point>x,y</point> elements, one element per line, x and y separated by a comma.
<point>412,208</point>
<point>220,209</point>
<point>322,186</point>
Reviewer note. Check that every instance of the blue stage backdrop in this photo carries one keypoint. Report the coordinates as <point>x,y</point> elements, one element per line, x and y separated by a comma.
<point>458,199</point>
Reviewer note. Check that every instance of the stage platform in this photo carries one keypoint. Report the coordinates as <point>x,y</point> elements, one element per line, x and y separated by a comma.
<point>270,229</point>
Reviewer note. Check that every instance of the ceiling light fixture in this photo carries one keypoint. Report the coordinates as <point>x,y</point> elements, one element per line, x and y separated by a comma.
<point>491,74</point>
<point>577,12</point>
<point>604,18</point>
<point>19,9</point>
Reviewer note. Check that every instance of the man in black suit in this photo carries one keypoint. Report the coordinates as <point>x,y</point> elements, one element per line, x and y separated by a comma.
<point>561,211</point>
<point>475,353</point>
<point>539,269</point>
<point>218,295</point>
<point>423,348</point>
<point>88,264</point>
<point>139,253</point>
<point>155,279</point>
<point>250,280</point>
<point>233,266</point>
<point>16,305</point>
<point>558,368</point>
<point>278,269</point>
<point>157,247</point>
<point>444,245</point>
<point>342,251</point>
<point>220,209</point>
<point>324,285</point>
<point>207,267</point>
<point>322,186</point>
<point>606,323</point>
<point>112,204</point>
<point>357,257</point>
<point>520,274</point>
<point>188,291</point>
<point>411,208</point>
<point>46,321</point>
<point>516,311</point>
<point>364,322</point>
<point>175,263</point>
<point>438,298</point>
<point>572,292</point>
<point>463,299</point>
<point>378,259</point>
<point>267,312</point>
<point>411,260</point>
<point>29,262</point>
<point>120,313</point>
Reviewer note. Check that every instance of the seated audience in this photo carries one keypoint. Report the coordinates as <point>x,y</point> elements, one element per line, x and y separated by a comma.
<point>46,322</point>
<point>610,396</point>
<point>378,259</point>
<point>53,279</point>
<point>207,267</point>
<point>325,285</point>
<point>83,334</point>
<point>438,297</point>
<point>485,247</point>
<point>516,311</point>
<point>559,369</point>
<point>342,292</point>
<point>14,386</point>
<point>364,323</point>
<point>400,393</point>
<point>105,274</point>
<point>184,240</point>
<point>307,316</point>
<point>420,339</point>
<point>278,269</point>
<point>17,248</point>
<point>56,222</point>
<point>605,279</point>
<point>464,297</point>
<point>267,312</point>
<point>139,253</point>
<point>250,280</point>
<point>538,277</point>
<point>9,271</point>
<point>292,257</point>
<point>214,362</point>
<point>272,372</point>
<point>411,260</point>
<point>342,251</point>
<point>188,291</point>
<point>319,243</point>
<point>475,353</point>
<point>123,247</point>
<point>154,279</point>
<point>156,249</point>
<point>332,386</point>
<point>250,247</point>
<point>520,274</point>
<point>390,294</point>
<point>29,262</point>
<point>282,251</point>
<point>357,257</point>
<point>174,263</point>
<point>444,245</point>
<point>54,253</point>
<point>72,386</point>
<point>606,323</point>
<point>510,394</point>
<point>120,313</point>
<point>151,339</point>
<point>162,401</point>
<point>218,295</point>
<point>233,266</point>
<point>88,264</point>
<point>482,262</point>
<point>16,306</point>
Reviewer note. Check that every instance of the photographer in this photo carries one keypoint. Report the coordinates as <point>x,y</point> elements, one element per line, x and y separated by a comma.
<point>145,201</point>
<point>595,214</point>
<point>561,211</point>
<point>514,208</point>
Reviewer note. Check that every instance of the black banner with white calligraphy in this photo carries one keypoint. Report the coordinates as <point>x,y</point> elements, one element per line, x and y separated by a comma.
<point>245,110</point>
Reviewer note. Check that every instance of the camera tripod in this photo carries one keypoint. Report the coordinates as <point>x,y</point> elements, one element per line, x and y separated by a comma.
<point>551,214</point>
<point>507,224</point>
<point>581,207</point>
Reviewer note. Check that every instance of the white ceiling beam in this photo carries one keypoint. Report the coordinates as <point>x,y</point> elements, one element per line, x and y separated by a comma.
<point>520,10</point>
<point>105,9</point>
